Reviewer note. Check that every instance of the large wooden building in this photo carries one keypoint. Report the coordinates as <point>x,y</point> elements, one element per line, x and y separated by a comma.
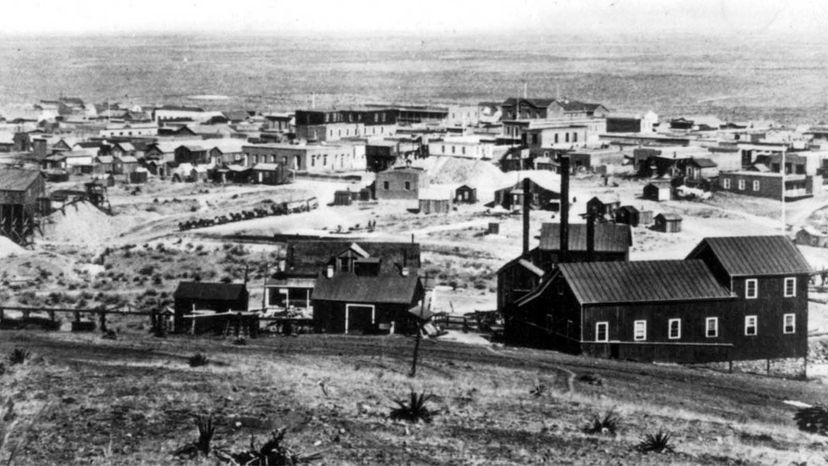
<point>732,298</point>
<point>201,296</point>
<point>19,193</point>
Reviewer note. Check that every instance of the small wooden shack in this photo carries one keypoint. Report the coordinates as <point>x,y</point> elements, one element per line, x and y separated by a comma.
<point>268,173</point>
<point>465,194</point>
<point>658,191</point>
<point>628,214</point>
<point>604,207</point>
<point>809,236</point>
<point>668,223</point>
<point>207,296</point>
<point>342,197</point>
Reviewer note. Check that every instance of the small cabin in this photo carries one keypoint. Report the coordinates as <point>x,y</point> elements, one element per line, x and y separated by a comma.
<point>629,215</point>
<point>342,197</point>
<point>603,207</point>
<point>809,236</point>
<point>668,223</point>
<point>465,195</point>
<point>658,191</point>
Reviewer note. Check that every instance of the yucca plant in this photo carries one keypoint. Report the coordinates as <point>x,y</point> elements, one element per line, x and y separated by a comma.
<point>18,356</point>
<point>658,442</point>
<point>198,359</point>
<point>206,429</point>
<point>272,452</point>
<point>414,409</point>
<point>607,424</point>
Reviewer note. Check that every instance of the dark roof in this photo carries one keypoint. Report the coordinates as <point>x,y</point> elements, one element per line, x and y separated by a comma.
<point>577,106</point>
<point>703,163</point>
<point>537,103</point>
<point>210,291</point>
<point>308,257</point>
<point>669,217</point>
<point>13,179</point>
<point>755,255</point>
<point>180,108</point>
<point>641,281</point>
<point>391,288</point>
<point>629,208</point>
<point>609,237</point>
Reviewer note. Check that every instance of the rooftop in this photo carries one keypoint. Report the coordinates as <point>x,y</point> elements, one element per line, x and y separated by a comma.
<point>609,237</point>
<point>754,255</point>
<point>390,288</point>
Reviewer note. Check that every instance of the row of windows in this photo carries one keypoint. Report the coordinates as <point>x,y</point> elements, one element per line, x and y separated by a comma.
<point>752,288</point>
<point>535,139</point>
<point>348,132</point>
<point>386,185</point>
<point>741,184</point>
<point>711,328</point>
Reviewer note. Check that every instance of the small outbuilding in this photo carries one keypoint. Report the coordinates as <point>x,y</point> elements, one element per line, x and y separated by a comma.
<point>809,236</point>
<point>668,223</point>
<point>604,207</point>
<point>628,214</point>
<point>268,173</point>
<point>342,197</point>
<point>465,194</point>
<point>207,296</point>
<point>658,191</point>
<point>434,201</point>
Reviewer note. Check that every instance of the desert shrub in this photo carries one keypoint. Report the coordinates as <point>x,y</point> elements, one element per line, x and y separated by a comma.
<point>607,424</point>
<point>271,452</point>
<point>206,430</point>
<point>146,270</point>
<point>659,442</point>
<point>412,410</point>
<point>197,360</point>
<point>813,419</point>
<point>18,356</point>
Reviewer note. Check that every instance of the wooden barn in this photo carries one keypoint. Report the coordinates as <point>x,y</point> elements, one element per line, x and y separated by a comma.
<point>354,303</point>
<point>809,236</point>
<point>19,193</point>
<point>658,191</point>
<point>207,296</point>
<point>605,208</point>
<point>465,194</point>
<point>668,223</point>
<point>734,298</point>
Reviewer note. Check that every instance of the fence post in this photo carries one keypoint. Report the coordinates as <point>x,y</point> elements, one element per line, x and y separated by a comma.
<point>103,322</point>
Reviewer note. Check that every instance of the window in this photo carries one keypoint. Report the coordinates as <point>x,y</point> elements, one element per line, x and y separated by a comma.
<point>711,327</point>
<point>463,150</point>
<point>535,139</point>
<point>790,287</point>
<point>385,185</point>
<point>444,149</point>
<point>750,325</point>
<point>674,329</point>
<point>741,185</point>
<point>566,137</point>
<point>726,183</point>
<point>789,323</point>
<point>556,138</point>
<point>756,185</point>
<point>408,186</point>
<point>640,330</point>
<point>602,331</point>
<point>751,288</point>
<point>574,137</point>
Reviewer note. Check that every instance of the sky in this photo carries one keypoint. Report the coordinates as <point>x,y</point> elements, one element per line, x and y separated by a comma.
<point>423,17</point>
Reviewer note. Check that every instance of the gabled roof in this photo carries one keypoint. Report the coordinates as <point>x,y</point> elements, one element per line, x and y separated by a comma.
<point>703,163</point>
<point>127,159</point>
<point>309,257</point>
<point>629,208</point>
<point>210,291</point>
<point>641,281</point>
<point>609,237</point>
<point>754,255</point>
<point>390,288</point>
<point>536,103</point>
<point>104,159</point>
<point>669,217</point>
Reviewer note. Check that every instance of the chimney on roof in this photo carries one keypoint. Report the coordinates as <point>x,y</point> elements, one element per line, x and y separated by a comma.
<point>564,253</point>
<point>527,207</point>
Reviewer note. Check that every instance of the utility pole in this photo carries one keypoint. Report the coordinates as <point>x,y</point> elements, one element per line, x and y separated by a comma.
<point>264,288</point>
<point>784,170</point>
<point>419,337</point>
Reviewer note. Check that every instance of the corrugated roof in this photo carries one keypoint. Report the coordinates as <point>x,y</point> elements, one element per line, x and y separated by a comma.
<point>755,255</point>
<point>13,179</point>
<point>641,281</point>
<point>609,237</point>
<point>210,291</point>
<point>348,287</point>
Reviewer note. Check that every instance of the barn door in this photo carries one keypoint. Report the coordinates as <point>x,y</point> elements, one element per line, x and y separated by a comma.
<point>359,318</point>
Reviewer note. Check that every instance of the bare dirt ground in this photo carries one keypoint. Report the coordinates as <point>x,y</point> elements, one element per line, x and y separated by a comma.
<point>83,400</point>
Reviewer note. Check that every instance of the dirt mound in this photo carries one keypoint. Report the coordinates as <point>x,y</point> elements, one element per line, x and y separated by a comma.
<point>9,247</point>
<point>453,170</point>
<point>81,223</point>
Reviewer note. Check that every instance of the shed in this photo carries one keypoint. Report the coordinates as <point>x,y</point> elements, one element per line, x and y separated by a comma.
<point>604,207</point>
<point>19,193</point>
<point>668,223</point>
<point>217,297</point>
<point>465,194</point>
<point>139,176</point>
<point>434,201</point>
<point>809,236</point>
<point>124,164</point>
<point>342,197</point>
<point>645,217</point>
<point>269,173</point>
<point>658,191</point>
<point>628,214</point>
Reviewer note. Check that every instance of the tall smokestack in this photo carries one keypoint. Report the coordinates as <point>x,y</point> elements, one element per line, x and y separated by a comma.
<point>590,233</point>
<point>527,206</point>
<point>564,163</point>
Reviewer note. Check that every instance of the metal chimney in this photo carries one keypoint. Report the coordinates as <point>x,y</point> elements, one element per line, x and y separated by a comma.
<point>527,207</point>
<point>590,234</point>
<point>564,165</point>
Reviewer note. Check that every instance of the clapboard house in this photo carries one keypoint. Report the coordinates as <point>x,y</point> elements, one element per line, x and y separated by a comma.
<point>207,296</point>
<point>19,193</point>
<point>292,285</point>
<point>736,298</point>
<point>366,301</point>
<point>541,195</point>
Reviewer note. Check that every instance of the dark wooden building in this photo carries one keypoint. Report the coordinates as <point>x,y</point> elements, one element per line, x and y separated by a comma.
<point>658,191</point>
<point>269,173</point>
<point>360,303</point>
<point>201,296</point>
<point>543,196</point>
<point>628,215</point>
<point>191,154</point>
<point>19,193</point>
<point>465,194</point>
<point>612,242</point>
<point>605,208</point>
<point>733,298</point>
